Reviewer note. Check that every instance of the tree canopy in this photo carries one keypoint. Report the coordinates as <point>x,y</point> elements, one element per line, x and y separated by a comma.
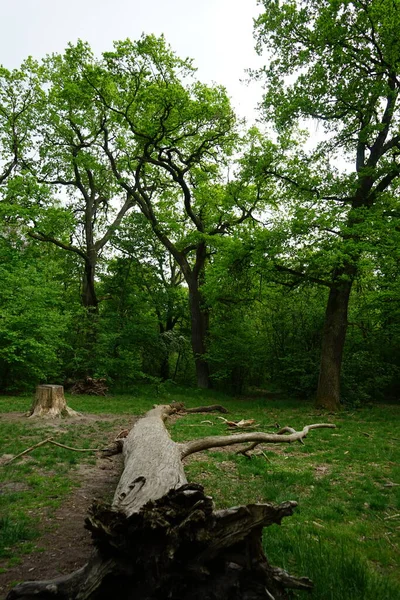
<point>174,243</point>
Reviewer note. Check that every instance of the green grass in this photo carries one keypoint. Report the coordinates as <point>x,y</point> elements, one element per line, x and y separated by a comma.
<point>344,534</point>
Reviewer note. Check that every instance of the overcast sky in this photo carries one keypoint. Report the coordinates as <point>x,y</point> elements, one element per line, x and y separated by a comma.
<point>217,34</point>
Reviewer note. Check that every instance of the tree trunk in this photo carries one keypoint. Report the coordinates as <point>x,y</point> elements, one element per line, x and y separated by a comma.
<point>89,297</point>
<point>164,368</point>
<point>50,402</point>
<point>333,340</point>
<point>199,328</point>
<point>161,537</point>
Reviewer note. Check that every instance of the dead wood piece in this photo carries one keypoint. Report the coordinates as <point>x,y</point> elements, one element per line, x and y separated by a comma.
<point>114,448</point>
<point>161,537</point>
<point>156,468</point>
<point>218,441</point>
<point>242,424</point>
<point>90,386</point>
<point>42,443</point>
<point>180,407</point>
<point>178,547</point>
<point>233,525</point>
<point>245,451</point>
<point>290,582</point>
<point>50,402</point>
<point>108,451</point>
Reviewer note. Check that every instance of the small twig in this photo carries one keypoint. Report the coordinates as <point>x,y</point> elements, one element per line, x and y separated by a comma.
<point>265,456</point>
<point>270,596</point>
<point>202,424</point>
<point>390,542</point>
<point>77,449</point>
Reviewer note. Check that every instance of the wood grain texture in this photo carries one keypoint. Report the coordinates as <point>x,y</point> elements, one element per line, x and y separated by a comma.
<point>152,462</point>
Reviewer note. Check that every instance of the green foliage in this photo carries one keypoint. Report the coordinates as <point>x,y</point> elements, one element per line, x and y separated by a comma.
<point>142,175</point>
<point>34,319</point>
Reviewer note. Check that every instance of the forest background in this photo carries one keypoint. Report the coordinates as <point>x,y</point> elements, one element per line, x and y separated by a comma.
<point>147,235</point>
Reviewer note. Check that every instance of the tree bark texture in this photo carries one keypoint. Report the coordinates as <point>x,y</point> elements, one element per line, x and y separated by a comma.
<point>50,402</point>
<point>89,297</point>
<point>333,340</point>
<point>199,329</point>
<point>161,537</point>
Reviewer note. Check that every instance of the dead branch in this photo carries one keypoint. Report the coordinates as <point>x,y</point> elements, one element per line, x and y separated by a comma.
<point>218,441</point>
<point>242,424</point>
<point>50,440</point>
<point>181,408</point>
<point>90,386</point>
<point>245,451</point>
<point>42,443</point>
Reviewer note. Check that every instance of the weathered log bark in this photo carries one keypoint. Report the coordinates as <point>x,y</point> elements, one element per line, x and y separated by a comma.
<point>161,537</point>
<point>50,402</point>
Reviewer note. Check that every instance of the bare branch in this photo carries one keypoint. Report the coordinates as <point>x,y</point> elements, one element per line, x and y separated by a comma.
<point>42,237</point>
<point>302,276</point>
<point>129,202</point>
<point>218,441</point>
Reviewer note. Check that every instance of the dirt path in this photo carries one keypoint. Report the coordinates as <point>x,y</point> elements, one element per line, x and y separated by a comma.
<point>66,544</point>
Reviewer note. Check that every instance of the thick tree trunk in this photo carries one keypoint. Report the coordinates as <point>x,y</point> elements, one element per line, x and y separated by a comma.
<point>199,329</point>
<point>333,340</point>
<point>161,538</point>
<point>50,402</point>
<point>89,297</point>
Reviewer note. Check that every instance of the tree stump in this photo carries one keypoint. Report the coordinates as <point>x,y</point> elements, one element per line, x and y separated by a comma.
<point>161,537</point>
<point>50,402</point>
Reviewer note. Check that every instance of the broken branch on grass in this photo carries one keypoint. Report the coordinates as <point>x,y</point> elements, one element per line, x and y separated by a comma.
<point>242,424</point>
<point>42,443</point>
<point>216,441</point>
<point>50,440</point>
<point>180,407</point>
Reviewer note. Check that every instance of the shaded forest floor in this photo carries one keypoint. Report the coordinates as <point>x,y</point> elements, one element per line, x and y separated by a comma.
<point>344,534</point>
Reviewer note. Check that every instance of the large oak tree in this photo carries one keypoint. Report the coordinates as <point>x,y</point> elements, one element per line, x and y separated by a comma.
<point>336,62</point>
<point>168,138</point>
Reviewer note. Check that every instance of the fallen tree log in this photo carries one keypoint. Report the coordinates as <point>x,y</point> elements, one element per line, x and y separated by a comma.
<point>161,537</point>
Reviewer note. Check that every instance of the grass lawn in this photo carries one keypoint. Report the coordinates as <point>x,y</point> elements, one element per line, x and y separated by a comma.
<point>344,534</point>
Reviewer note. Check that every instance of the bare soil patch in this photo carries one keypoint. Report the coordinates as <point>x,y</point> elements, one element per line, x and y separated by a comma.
<point>59,422</point>
<point>65,545</point>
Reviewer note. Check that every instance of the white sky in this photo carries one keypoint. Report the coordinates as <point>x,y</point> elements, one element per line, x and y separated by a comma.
<point>217,34</point>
